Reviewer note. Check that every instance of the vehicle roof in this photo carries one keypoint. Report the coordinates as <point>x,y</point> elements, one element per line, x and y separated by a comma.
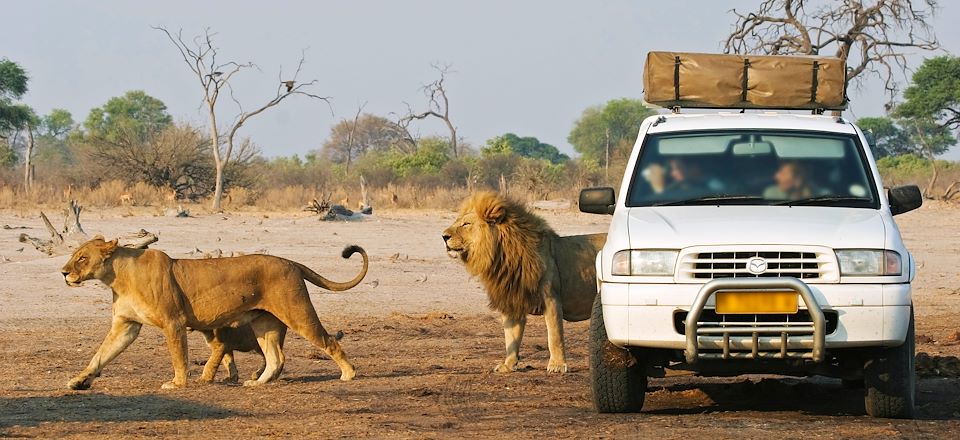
<point>766,120</point>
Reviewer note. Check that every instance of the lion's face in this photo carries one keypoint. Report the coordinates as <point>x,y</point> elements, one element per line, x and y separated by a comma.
<point>465,231</point>
<point>87,262</point>
<point>476,227</point>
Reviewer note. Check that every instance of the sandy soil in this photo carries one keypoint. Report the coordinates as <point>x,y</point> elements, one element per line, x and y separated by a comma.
<point>423,340</point>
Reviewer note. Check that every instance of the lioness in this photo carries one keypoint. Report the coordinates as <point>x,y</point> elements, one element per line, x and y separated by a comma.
<point>149,287</point>
<point>526,268</point>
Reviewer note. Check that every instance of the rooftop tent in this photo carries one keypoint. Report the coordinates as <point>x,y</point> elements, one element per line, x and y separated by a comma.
<point>679,79</point>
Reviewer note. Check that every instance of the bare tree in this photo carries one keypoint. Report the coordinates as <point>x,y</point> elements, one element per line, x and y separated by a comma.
<point>438,106</point>
<point>869,36</point>
<point>214,76</point>
<point>353,134</point>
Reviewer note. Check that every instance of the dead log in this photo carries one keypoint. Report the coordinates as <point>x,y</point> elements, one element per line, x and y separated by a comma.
<point>317,207</point>
<point>951,190</point>
<point>72,236</point>
<point>139,240</point>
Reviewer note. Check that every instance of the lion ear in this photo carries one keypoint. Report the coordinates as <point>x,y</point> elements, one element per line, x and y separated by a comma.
<point>99,237</point>
<point>109,247</point>
<point>495,213</point>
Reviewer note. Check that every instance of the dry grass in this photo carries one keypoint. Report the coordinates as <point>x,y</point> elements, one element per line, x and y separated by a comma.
<point>116,193</point>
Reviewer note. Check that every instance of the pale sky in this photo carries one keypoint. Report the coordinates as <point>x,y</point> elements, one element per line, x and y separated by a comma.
<point>527,67</point>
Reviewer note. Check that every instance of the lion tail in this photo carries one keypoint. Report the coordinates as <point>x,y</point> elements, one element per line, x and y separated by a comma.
<point>318,280</point>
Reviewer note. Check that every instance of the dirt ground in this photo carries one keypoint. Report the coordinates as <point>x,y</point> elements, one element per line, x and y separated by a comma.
<point>423,341</point>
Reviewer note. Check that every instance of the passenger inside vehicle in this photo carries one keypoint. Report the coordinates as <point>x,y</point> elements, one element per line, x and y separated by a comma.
<point>792,182</point>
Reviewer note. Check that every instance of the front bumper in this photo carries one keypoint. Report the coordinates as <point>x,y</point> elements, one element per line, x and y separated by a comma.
<point>867,315</point>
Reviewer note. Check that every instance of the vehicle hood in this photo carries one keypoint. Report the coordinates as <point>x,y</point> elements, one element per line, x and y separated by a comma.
<point>677,227</point>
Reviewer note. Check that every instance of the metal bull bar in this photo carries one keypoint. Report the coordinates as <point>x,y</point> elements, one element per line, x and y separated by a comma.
<point>747,335</point>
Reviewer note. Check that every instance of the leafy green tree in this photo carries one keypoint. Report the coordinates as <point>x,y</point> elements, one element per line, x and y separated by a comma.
<point>895,137</point>
<point>927,136</point>
<point>57,124</point>
<point>13,85</point>
<point>53,149</point>
<point>135,114</point>
<point>529,147</point>
<point>934,92</point>
<point>431,156</point>
<point>885,136</point>
<point>609,130</point>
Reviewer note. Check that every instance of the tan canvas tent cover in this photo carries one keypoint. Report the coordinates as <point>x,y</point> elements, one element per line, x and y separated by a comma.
<point>677,79</point>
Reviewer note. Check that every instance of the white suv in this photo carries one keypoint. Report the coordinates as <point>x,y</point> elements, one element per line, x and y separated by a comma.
<point>753,243</point>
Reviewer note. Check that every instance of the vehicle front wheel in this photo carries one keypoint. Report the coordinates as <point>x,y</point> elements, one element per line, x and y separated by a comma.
<point>617,377</point>
<point>890,380</point>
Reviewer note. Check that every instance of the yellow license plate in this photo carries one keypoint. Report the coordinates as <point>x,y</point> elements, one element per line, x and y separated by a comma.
<point>757,302</point>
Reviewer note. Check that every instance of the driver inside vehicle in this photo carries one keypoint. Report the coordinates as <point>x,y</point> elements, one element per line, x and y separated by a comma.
<point>792,182</point>
<point>687,178</point>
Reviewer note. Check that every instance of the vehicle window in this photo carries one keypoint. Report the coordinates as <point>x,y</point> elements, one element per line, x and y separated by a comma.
<point>752,168</point>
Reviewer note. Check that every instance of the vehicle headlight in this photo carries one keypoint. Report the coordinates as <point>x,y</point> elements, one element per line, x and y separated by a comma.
<point>644,262</point>
<point>869,262</point>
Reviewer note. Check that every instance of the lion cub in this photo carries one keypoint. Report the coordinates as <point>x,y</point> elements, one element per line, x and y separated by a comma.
<point>224,341</point>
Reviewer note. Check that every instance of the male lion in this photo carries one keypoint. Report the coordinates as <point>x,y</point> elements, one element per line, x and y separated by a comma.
<point>526,268</point>
<point>149,287</point>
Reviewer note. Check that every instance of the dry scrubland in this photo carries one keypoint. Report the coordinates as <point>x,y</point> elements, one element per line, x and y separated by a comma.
<point>418,330</point>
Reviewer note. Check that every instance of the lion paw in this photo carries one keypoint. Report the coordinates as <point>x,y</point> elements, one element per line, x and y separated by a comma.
<point>80,383</point>
<point>231,379</point>
<point>348,375</point>
<point>556,368</point>
<point>504,368</point>
<point>171,385</point>
<point>251,383</point>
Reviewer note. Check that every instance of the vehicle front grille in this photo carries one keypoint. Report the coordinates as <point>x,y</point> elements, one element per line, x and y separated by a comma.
<point>806,264</point>
<point>709,318</point>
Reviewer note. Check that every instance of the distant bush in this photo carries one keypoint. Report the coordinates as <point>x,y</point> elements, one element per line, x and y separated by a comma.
<point>911,169</point>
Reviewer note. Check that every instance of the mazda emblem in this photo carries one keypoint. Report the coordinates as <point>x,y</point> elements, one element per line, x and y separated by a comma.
<point>757,265</point>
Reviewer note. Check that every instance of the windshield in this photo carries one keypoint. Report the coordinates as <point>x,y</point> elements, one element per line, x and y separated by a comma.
<point>750,167</point>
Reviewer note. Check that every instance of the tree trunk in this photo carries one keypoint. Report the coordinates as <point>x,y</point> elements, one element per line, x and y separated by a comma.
<point>934,177</point>
<point>218,190</point>
<point>933,162</point>
<point>28,161</point>
<point>215,146</point>
<point>453,138</point>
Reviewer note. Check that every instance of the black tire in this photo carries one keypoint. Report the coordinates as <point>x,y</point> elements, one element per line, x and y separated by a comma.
<point>618,379</point>
<point>890,380</point>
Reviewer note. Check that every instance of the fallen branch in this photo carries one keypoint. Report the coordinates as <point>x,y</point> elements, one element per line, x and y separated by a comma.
<point>951,190</point>
<point>72,236</point>
<point>140,239</point>
<point>317,207</point>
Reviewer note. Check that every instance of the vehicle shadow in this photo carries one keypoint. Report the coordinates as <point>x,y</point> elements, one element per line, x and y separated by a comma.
<point>937,398</point>
<point>32,411</point>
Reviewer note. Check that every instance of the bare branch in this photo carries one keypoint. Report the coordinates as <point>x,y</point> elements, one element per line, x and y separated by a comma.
<point>438,106</point>
<point>868,37</point>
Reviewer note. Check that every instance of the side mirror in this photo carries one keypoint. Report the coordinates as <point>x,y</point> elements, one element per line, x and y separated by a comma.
<point>902,199</point>
<point>597,200</point>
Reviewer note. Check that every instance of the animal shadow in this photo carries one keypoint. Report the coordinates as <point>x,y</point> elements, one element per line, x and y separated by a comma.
<point>32,411</point>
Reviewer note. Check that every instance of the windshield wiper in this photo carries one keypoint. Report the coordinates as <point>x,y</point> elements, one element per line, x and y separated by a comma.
<point>709,200</point>
<point>823,201</point>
